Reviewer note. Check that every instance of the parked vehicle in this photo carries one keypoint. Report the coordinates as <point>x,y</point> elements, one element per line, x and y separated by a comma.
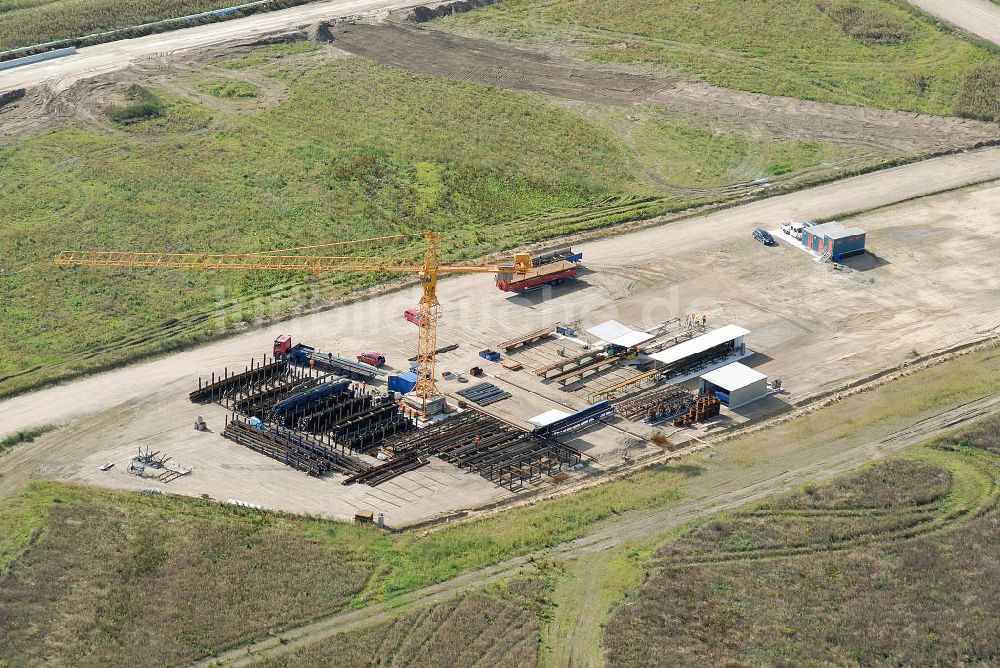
<point>787,228</point>
<point>551,269</point>
<point>302,355</point>
<point>762,235</point>
<point>282,344</point>
<point>414,315</point>
<point>374,359</point>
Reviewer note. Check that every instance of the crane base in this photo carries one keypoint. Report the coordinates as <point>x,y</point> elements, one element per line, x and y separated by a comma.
<point>434,404</point>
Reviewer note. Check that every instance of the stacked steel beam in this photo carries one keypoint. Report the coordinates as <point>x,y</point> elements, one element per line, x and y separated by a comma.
<point>217,388</point>
<point>656,406</point>
<point>293,449</point>
<point>306,406</point>
<point>484,394</point>
<point>496,450</point>
<point>385,472</point>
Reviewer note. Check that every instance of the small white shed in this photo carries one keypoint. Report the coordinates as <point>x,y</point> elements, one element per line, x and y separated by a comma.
<point>736,384</point>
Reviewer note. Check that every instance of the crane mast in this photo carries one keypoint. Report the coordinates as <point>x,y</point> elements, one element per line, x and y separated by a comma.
<point>292,259</point>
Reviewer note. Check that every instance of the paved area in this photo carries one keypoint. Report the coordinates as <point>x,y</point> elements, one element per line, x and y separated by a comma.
<point>979,17</point>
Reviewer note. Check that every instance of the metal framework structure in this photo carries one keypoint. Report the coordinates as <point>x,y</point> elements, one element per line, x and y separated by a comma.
<point>286,260</point>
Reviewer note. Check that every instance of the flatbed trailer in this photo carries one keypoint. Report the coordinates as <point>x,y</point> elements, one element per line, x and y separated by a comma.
<point>551,269</point>
<point>304,355</point>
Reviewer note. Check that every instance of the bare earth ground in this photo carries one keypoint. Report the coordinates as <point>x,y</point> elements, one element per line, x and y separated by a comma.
<point>932,286</point>
<point>483,61</point>
<point>83,94</point>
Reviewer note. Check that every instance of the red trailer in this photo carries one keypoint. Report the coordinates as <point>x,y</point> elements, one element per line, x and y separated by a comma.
<point>551,269</point>
<point>529,282</point>
<point>414,315</point>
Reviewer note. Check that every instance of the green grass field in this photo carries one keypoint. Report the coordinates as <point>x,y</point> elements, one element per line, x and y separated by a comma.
<point>355,150</point>
<point>866,52</point>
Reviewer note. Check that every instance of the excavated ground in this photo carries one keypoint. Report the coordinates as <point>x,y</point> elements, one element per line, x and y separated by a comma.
<point>429,51</point>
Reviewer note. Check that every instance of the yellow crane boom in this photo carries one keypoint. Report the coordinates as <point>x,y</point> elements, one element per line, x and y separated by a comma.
<point>285,260</point>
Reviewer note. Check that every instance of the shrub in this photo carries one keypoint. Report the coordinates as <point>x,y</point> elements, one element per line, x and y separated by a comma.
<point>868,25</point>
<point>25,436</point>
<point>230,89</point>
<point>144,105</point>
<point>979,94</point>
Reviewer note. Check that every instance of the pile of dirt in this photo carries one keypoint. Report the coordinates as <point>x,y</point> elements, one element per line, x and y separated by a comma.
<point>422,14</point>
<point>320,32</point>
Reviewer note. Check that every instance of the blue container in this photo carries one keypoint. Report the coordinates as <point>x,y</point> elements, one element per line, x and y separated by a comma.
<point>403,382</point>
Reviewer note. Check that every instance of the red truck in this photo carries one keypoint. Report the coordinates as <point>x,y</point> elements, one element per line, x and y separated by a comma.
<point>550,269</point>
<point>282,344</point>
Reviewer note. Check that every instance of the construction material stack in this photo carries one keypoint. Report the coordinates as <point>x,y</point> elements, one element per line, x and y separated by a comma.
<point>550,269</point>
<point>707,406</point>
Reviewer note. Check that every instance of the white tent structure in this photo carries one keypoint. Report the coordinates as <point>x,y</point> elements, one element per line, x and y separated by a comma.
<point>736,384</point>
<point>617,334</point>
<point>730,334</point>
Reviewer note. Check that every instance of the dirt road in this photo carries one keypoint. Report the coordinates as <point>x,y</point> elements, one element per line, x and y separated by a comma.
<point>980,17</point>
<point>105,58</point>
<point>639,525</point>
<point>482,61</point>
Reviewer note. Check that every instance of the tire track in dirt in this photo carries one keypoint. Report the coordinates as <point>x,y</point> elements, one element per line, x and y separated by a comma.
<point>634,525</point>
<point>482,61</point>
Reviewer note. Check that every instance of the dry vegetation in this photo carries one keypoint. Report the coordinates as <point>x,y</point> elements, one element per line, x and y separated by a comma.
<point>128,586</point>
<point>895,484</point>
<point>865,23</point>
<point>500,627</point>
<point>984,436</point>
<point>980,93</point>
<point>152,580</point>
<point>901,568</point>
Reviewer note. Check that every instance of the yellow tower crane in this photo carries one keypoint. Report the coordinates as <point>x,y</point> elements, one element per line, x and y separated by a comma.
<point>285,260</point>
